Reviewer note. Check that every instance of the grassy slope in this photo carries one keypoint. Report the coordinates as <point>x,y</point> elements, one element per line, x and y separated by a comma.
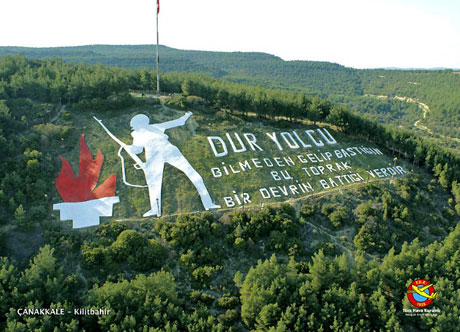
<point>179,195</point>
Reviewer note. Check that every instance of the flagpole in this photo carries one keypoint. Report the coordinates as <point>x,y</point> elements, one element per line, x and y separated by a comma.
<point>158,57</point>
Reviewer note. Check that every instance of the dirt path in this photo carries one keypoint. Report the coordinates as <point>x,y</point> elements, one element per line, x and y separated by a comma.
<point>417,125</point>
<point>423,106</point>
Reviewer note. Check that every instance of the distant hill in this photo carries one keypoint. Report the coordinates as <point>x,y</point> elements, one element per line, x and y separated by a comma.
<point>258,68</point>
<point>359,89</point>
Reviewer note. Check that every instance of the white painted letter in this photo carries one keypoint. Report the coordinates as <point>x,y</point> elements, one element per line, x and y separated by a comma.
<point>211,140</point>
<point>275,139</point>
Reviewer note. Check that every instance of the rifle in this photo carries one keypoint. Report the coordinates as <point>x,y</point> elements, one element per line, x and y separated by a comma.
<point>139,163</point>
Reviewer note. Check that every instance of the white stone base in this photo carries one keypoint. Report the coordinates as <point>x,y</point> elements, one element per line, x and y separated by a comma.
<point>85,214</point>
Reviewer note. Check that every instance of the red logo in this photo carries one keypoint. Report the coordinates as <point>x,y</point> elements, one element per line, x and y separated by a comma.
<point>421,293</point>
<point>83,187</point>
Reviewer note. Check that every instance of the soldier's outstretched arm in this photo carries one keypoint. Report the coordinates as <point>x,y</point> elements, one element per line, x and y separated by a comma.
<point>174,123</point>
<point>134,149</point>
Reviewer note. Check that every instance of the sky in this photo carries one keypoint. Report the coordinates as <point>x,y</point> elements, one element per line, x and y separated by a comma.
<point>354,33</point>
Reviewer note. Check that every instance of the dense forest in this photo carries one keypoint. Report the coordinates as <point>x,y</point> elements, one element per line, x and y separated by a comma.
<point>335,262</point>
<point>358,89</point>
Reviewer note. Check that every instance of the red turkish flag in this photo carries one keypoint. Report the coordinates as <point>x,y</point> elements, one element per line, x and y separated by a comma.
<point>158,6</point>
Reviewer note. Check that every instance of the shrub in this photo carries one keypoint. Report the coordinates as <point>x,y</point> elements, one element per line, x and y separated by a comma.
<point>205,273</point>
<point>308,210</point>
<point>327,209</point>
<point>199,297</point>
<point>142,254</point>
<point>229,317</point>
<point>97,257</point>
<point>228,302</point>
<point>338,217</point>
<point>364,210</point>
<point>129,242</point>
<point>240,244</point>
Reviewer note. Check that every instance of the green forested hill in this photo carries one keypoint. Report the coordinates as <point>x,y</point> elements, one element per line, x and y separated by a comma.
<point>360,90</point>
<point>333,260</point>
<point>258,68</point>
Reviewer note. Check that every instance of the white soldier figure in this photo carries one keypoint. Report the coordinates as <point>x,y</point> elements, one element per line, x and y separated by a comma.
<point>158,151</point>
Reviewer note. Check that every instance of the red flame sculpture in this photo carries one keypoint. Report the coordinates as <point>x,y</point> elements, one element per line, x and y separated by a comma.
<point>81,188</point>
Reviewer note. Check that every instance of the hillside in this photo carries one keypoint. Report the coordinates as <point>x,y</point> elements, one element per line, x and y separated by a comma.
<point>354,88</point>
<point>258,68</point>
<point>276,165</point>
<point>332,232</point>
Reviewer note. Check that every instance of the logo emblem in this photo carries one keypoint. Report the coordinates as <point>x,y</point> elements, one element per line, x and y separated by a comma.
<point>421,293</point>
<point>83,202</point>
